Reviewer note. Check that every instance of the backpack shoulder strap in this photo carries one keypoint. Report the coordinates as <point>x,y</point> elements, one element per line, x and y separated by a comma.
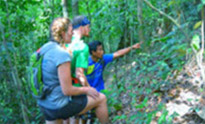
<point>102,62</point>
<point>47,47</point>
<point>47,88</point>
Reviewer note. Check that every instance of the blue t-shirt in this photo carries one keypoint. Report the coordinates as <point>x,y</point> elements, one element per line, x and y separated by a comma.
<point>54,57</point>
<point>95,71</point>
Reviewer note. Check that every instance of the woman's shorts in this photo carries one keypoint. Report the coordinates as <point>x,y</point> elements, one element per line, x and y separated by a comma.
<point>75,106</point>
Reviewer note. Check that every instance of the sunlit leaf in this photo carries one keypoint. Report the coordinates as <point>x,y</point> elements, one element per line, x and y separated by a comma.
<point>195,42</point>
<point>143,104</point>
<point>199,7</point>
<point>149,118</point>
<point>162,118</point>
<point>163,39</point>
<point>203,2</point>
<point>197,25</point>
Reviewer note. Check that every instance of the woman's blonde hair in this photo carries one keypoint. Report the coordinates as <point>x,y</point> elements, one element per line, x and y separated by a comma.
<point>58,26</point>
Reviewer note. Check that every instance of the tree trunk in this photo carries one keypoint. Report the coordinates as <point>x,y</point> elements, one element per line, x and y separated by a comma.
<point>167,24</point>
<point>88,10</point>
<point>17,83</point>
<point>75,8</point>
<point>51,4</point>
<point>202,48</point>
<point>140,19</point>
<point>65,8</point>
<point>124,36</point>
<point>201,106</point>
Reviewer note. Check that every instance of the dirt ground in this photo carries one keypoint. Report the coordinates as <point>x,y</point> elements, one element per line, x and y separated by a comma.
<point>181,97</point>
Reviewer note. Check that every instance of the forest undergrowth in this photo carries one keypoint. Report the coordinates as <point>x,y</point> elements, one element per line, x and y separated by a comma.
<point>158,84</point>
<point>139,97</point>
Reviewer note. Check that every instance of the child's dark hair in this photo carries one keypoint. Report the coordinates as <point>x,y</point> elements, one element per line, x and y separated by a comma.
<point>93,46</point>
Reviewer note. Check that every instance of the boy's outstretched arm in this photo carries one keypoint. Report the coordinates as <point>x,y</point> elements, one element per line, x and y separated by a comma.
<point>125,50</point>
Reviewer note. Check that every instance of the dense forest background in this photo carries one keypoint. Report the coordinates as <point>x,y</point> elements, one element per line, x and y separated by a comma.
<point>172,32</point>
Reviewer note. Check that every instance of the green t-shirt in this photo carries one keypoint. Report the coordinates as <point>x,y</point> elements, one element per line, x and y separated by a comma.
<point>80,53</point>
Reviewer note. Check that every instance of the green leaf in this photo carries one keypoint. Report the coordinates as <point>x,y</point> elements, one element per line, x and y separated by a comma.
<point>140,106</point>
<point>195,42</point>
<point>199,7</point>
<point>118,106</point>
<point>189,99</point>
<point>121,117</point>
<point>149,118</point>
<point>148,90</point>
<point>201,90</point>
<point>197,25</point>
<point>162,118</point>
<point>197,109</point>
<point>163,39</point>
<point>143,104</point>
<point>203,2</point>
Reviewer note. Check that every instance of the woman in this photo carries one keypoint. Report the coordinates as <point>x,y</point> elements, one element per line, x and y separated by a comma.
<point>65,100</point>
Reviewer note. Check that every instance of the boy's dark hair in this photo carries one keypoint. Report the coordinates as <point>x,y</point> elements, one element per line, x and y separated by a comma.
<point>93,46</point>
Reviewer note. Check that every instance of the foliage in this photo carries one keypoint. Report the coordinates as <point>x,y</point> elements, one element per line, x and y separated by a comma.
<point>155,67</point>
<point>153,70</point>
<point>24,27</point>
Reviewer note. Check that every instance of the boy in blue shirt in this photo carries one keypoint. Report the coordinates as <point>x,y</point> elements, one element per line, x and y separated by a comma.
<point>98,60</point>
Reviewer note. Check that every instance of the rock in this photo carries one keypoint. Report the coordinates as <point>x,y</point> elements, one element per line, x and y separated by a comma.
<point>180,109</point>
<point>189,97</point>
<point>153,122</point>
<point>201,111</point>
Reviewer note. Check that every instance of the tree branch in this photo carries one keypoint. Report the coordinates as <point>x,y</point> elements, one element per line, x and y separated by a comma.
<point>139,16</point>
<point>65,8</point>
<point>202,46</point>
<point>162,13</point>
<point>75,8</point>
<point>167,16</point>
<point>202,29</point>
<point>88,10</point>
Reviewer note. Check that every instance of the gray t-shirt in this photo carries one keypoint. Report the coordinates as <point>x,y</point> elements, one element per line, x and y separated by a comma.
<point>54,56</point>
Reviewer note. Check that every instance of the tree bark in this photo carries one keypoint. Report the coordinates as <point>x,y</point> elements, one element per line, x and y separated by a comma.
<point>13,66</point>
<point>139,16</point>
<point>52,8</point>
<point>167,24</point>
<point>65,8</point>
<point>202,28</point>
<point>75,8</point>
<point>202,44</point>
<point>124,36</point>
<point>88,10</point>
<point>201,105</point>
